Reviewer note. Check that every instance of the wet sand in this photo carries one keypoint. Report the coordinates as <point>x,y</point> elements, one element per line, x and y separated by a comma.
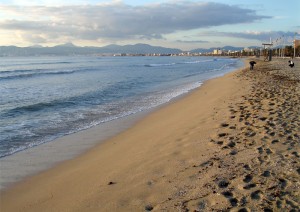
<point>16,167</point>
<point>233,145</point>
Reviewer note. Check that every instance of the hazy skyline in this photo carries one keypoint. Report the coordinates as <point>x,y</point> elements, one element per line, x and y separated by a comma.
<point>177,24</point>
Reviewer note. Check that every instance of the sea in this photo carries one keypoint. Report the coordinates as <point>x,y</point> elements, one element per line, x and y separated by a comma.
<point>45,98</point>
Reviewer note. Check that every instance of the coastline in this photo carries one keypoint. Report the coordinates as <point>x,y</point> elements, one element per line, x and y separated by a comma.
<point>36,159</point>
<point>26,163</point>
<point>199,152</point>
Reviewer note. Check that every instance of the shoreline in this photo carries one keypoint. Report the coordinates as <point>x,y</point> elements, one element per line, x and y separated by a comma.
<point>178,99</point>
<point>32,161</point>
<point>213,149</point>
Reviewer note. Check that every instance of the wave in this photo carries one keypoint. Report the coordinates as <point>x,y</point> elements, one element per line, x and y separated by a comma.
<point>158,65</point>
<point>198,61</point>
<point>97,97</point>
<point>20,71</point>
<point>56,104</point>
<point>50,63</point>
<point>20,63</point>
<point>18,74</point>
<point>75,112</point>
<point>85,119</point>
<point>33,139</point>
<point>185,62</point>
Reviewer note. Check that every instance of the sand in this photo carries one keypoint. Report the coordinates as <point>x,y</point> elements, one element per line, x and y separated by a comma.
<point>23,164</point>
<point>233,145</point>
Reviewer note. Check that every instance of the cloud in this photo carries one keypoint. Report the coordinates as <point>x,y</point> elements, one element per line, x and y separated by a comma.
<point>34,38</point>
<point>113,21</point>
<point>278,36</point>
<point>192,41</point>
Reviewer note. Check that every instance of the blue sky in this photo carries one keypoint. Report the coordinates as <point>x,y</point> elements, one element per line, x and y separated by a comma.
<point>184,24</point>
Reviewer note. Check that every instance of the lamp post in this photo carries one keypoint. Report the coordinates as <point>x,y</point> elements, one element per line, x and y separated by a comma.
<point>283,46</point>
<point>295,44</point>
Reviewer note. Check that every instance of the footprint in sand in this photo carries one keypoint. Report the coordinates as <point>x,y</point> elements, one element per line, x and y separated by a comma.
<point>268,210</point>
<point>148,207</point>
<point>249,186</point>
<point>269,151</point>
<point>247,167</point>
<point>266,173</point>
<point>256,195</point>
<point>222,134</point>
<point>248,178</point>
<point>283,183</point>
<point>233,202</point>
<point>243,210</point>
<point>231,144</point>
<point>233,152</point>
<point>275,141</point>
<point>279,204</point>
<point>227,194</point>
<point>272,133</point>
<point>224,125</point>
<point>296,154</point>
<point>220,142</point>
<point>260,150</point>
<point>223,183</point>
<point>250,133</point>
<point>261,160</point>
<point>263,118</point>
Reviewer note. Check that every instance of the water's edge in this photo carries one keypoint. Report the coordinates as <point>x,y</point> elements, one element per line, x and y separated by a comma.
<point>26,163</point>
<point>33,160</point>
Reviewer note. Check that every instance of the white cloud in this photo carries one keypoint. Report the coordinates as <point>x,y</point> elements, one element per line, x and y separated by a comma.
<point>117,21</point>
<point>46,2</point>
<point>192,41</point>
<point>276,36</point>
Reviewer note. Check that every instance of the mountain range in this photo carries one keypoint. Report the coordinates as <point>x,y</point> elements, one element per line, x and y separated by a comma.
<point>71,49</point>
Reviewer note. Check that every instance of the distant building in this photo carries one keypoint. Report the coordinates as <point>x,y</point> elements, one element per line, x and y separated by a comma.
<point>248,50</point>
<point>217,52</point>
<point>297,43</point>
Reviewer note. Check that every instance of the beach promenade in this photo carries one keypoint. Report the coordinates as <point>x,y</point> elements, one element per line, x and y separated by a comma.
<point>233,144</point>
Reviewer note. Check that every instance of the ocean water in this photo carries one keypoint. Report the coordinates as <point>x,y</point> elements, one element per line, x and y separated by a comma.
<point>44,98</point>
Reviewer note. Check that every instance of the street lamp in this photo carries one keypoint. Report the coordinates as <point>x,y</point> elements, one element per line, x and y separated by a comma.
<point>295,44</point>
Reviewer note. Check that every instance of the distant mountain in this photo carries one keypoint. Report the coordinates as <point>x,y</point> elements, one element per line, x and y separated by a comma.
<point>232,48</point>
<point>202,50</point>
<point>254,47</point>
<point>67,45</point>
<point>142,49</point>
<point>71,49</point>
<point>37,46</point>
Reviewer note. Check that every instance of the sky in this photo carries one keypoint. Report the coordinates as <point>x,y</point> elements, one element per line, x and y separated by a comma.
<point>183,24</point>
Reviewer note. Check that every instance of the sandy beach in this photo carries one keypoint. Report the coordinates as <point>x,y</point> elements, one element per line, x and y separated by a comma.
<point>232,144</point>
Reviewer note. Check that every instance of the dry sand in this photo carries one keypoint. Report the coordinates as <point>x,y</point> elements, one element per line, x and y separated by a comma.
<point>232,144</point>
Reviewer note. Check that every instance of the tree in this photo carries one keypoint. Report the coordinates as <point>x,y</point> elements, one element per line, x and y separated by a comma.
<point>289,51</point>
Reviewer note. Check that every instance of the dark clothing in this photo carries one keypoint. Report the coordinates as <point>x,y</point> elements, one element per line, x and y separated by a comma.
<point>291,64</point>
<point>252,64</point>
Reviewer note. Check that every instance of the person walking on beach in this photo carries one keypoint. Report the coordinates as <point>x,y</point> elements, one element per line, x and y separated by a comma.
<point>291,63</point>
<point>252,64</point>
